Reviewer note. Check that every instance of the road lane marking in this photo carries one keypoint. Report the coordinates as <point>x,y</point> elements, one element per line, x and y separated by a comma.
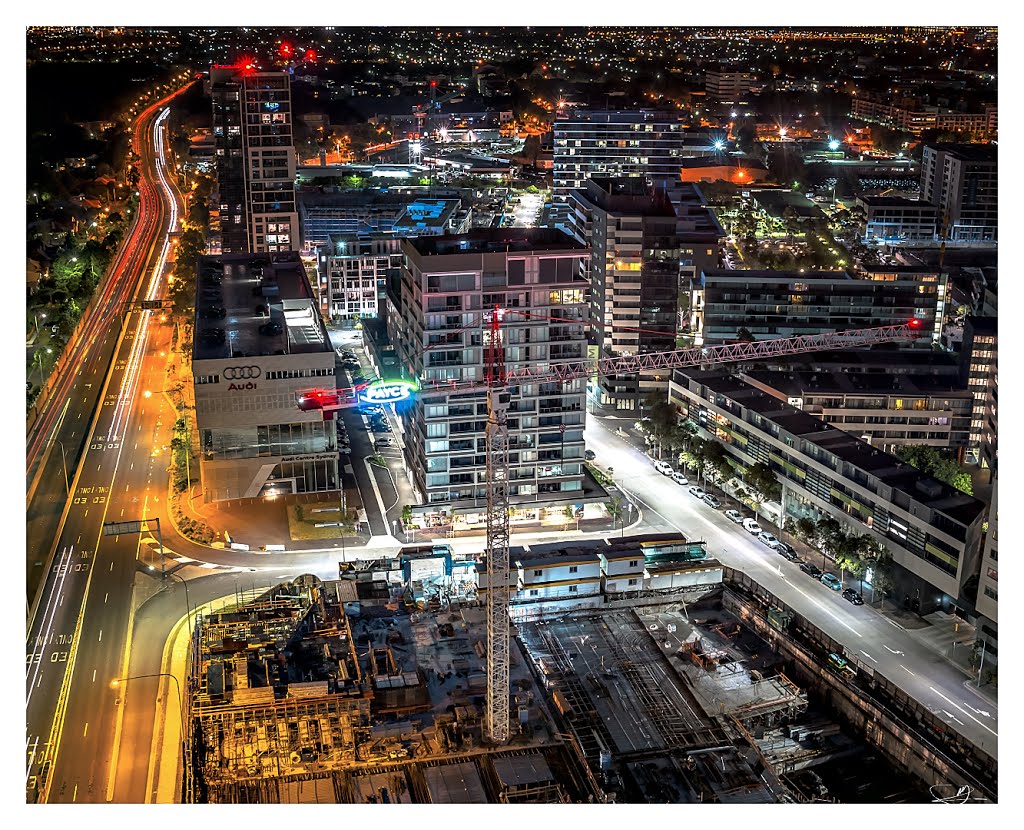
<point>94,675</point>
<point>868,655</point>
<point>85,731</point>
<point>106,595</point>
<point>891,650</point>
<point>101,636</point>
<point>961,708</point>
<point>908,671</point>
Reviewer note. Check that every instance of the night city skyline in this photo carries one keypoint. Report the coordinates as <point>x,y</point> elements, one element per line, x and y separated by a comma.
<point>487,414</point>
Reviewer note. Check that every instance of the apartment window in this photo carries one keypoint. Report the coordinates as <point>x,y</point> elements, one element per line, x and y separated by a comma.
<point>634,562</point>
<point>573,588</point>
<point>533,592</point>
<point>633,581</point>
<point>538,573</point>
<point>573,569</point>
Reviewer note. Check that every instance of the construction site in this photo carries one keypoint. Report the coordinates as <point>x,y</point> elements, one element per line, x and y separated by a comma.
<point>372,688</point>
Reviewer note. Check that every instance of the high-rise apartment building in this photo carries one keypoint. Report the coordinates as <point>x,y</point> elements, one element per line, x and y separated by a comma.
<point>727,86</point>
<point>961,180</point>
<point>770,304</point>
<point>988,583</point>
<point>613,144</point>
<point>979,373</point>
<point>252,131</point>
<point>439,323</point>
<point>630,228</point>
<point>353,272</point>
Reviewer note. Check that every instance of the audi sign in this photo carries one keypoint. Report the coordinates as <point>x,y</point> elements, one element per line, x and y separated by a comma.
<point>242,372</point>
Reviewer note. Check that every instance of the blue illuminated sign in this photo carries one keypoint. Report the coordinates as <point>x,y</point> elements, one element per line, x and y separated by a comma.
<point>387,391</point>
<point>273,106</point>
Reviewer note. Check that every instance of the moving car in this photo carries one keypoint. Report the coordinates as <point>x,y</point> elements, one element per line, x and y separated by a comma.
<point>810,570</point>
<point>663,467</point>
<point>733,516</point>
<point>751,526</point>
<point>698,492</point>
<point>831,581</point>
<point>851,595</point>
<point>767,538</point>
<point>713,501</point>
<point>680,479</point>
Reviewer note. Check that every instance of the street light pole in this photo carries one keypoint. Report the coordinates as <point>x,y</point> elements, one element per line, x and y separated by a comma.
<point>188,605</point>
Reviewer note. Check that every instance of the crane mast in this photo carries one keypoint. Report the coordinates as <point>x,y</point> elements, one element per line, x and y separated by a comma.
<point>496,720</point>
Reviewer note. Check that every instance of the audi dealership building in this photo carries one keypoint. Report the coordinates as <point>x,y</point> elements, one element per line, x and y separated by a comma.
<point>258,342</point>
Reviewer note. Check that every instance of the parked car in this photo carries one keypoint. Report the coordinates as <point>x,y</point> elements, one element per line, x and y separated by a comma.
<point>733,516</point>
<point>680,479</point>
<point>767,538</point>
<point>788,551</point>
<point>663,467</point>
<point>698,492</point>
<point>851,595</point>
<point>751,526</point>
<point>712,501</point>
<point>382,442</point>
<point>831,581</point>
<point>590,455</point>
<point>810,570</point>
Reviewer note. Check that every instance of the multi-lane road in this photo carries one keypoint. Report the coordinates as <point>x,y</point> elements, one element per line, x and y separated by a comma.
<point>76,636</point>
<point>875,639</point>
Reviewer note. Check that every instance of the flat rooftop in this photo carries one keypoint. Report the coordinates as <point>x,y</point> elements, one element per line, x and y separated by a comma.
<point>896,201</point>
<point>240,284</point>
<point>496,240</point>
<point>428,213</point>
<point>968,152</point>
<point>884,467</point>
<point>801,382</point>
<point>777,276</point>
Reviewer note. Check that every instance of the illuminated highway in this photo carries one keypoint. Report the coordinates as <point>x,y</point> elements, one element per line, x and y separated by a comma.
<point>76,633</point>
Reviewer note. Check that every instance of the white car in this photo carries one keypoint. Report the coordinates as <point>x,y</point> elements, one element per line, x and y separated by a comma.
<point>663,467</point>
<point>698,492</point>
<point>751,526</point>
<point>733,516</point>
<point>768,539</point>
<point>680,479</point>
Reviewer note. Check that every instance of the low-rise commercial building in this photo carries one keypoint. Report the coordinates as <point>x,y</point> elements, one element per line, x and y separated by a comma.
<point>722,168</point>
<point>893,220</point>
<point>932,530</point>
<point>258,342</point>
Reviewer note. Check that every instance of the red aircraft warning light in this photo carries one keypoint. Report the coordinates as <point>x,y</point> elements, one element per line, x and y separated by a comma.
<point>286,50</point>
<point>311,54</point>
<point>915,323</point>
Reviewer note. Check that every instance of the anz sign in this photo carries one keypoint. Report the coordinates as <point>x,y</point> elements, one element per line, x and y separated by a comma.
<point>387,391</point>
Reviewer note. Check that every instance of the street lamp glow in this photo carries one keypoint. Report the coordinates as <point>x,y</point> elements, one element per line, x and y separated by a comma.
<point>719,144</point>
<point>833,144</point>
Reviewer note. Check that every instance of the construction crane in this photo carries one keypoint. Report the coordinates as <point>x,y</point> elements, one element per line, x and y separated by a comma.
<point>498,378</point>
